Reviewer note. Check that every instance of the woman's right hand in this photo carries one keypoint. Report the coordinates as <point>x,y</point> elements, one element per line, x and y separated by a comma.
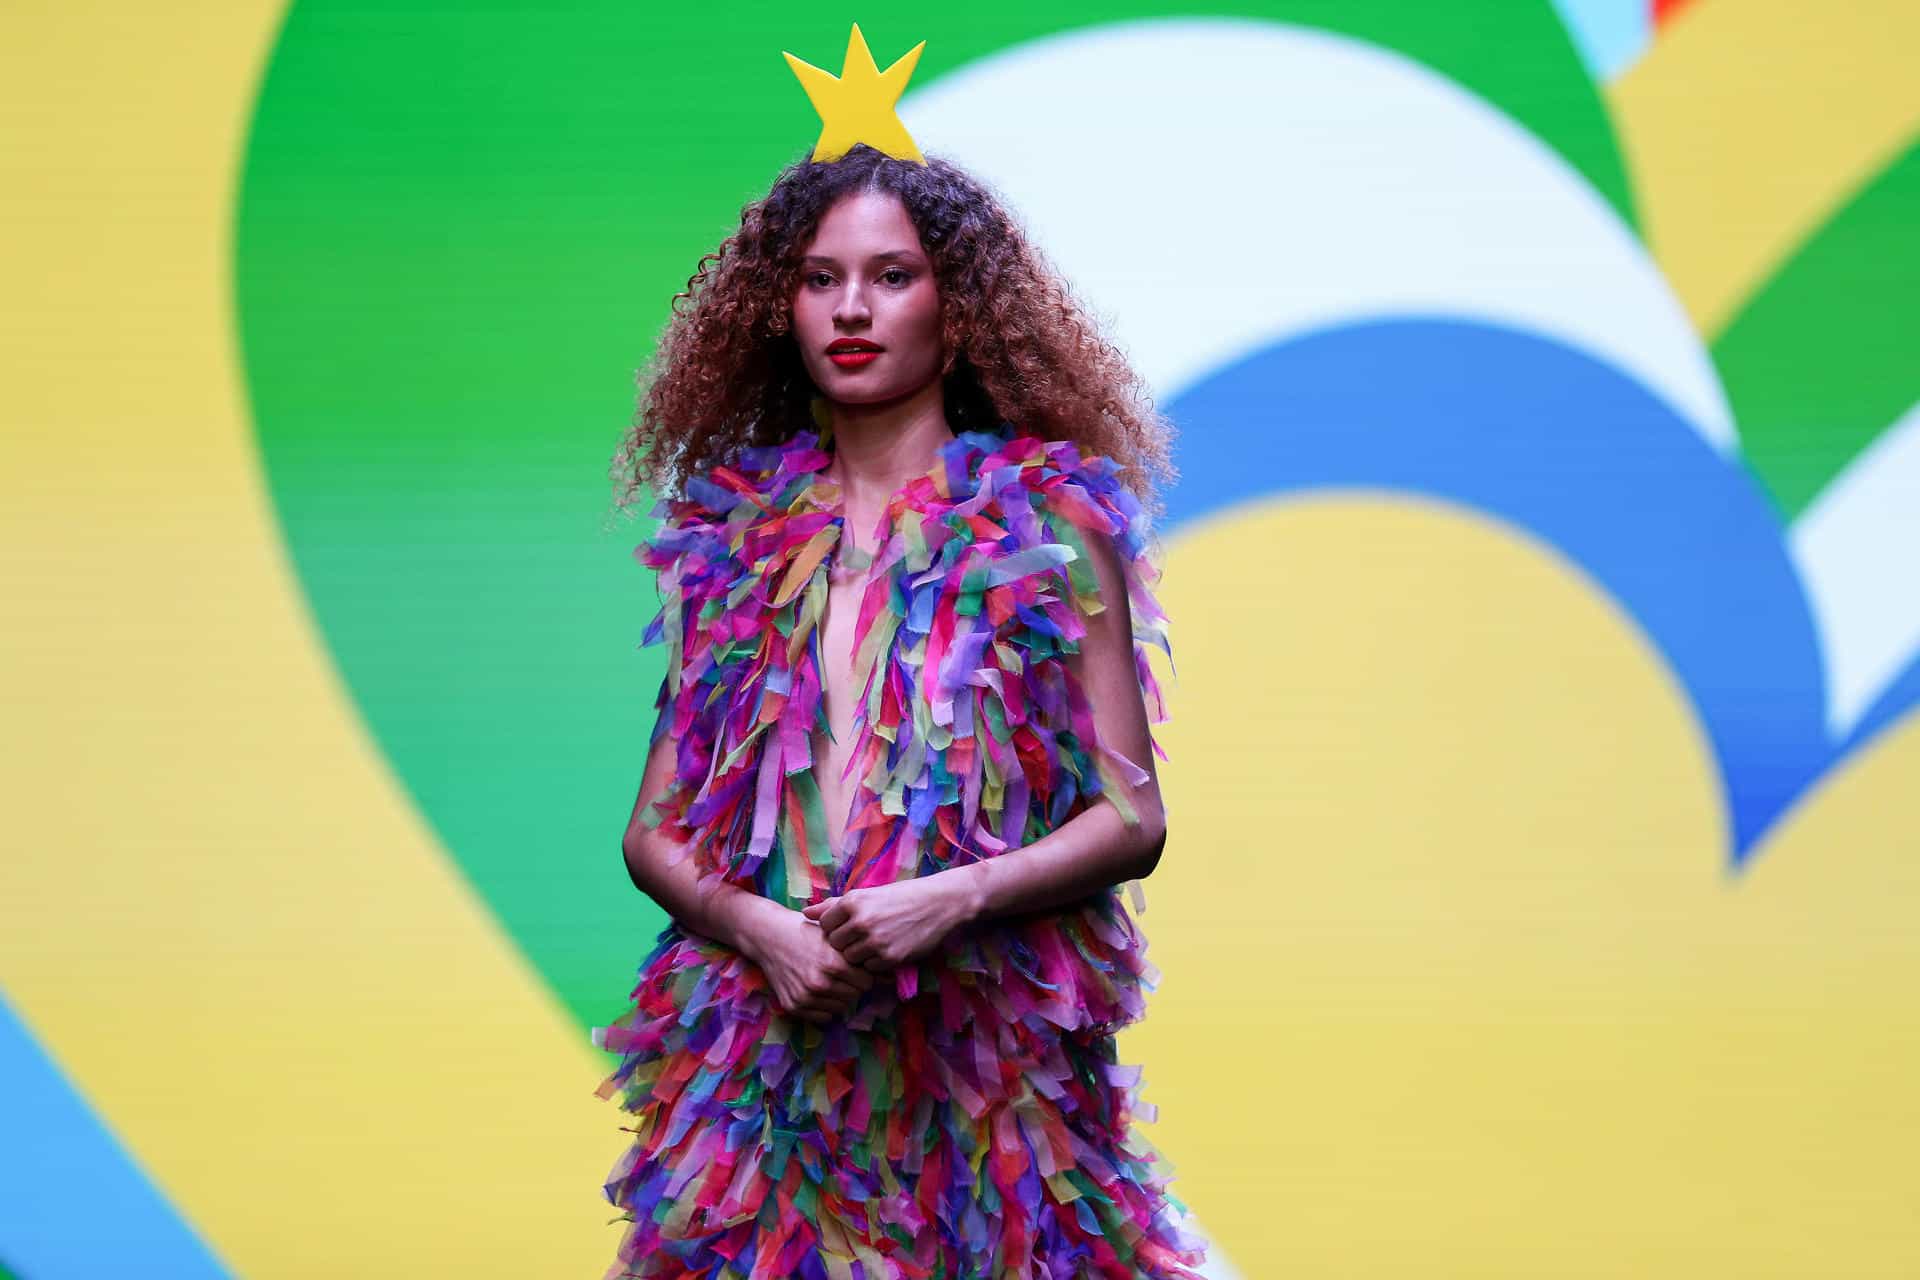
<point>809,976</point>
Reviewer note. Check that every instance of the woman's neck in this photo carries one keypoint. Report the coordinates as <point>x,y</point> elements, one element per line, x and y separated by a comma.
<point>879,448</point>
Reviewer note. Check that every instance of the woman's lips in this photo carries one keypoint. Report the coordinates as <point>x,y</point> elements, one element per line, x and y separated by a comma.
<point>854,359</point>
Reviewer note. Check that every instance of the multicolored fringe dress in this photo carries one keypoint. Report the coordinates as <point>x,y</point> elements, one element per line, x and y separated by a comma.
<point>967,1120</point>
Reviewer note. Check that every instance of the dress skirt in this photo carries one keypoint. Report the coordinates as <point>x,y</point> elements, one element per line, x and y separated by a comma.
<point>967,1121</point>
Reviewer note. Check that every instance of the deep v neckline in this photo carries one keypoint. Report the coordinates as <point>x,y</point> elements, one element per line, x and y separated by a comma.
<point>833,500</point>
<point>824,731</point>
<point>831,497</point>
<point>931,485</point>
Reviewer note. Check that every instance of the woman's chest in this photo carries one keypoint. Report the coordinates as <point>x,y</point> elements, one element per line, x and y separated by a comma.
<point>838,638</point>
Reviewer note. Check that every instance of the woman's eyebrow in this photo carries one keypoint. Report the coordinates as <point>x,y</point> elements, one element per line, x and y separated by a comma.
<point>890,255</point>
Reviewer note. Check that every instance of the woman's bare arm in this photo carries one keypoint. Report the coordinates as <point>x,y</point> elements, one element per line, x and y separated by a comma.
<point>1096,848</point>
<point>724,912</point>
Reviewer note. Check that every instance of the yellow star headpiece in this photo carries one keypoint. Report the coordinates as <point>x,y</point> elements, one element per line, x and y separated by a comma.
<point>857,105</point>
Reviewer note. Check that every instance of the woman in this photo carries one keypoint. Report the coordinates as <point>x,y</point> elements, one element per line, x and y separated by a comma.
<point>902,759</point>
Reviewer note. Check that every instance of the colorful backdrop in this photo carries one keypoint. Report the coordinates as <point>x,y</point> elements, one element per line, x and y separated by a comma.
<point>1545,761</point>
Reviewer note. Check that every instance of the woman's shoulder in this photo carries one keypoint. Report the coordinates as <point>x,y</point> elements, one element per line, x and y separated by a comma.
<point>1059,475</point>
<point>705,518</point>
<point>1070,495</point>
<point>746,481</point>
<point>1065,523</point>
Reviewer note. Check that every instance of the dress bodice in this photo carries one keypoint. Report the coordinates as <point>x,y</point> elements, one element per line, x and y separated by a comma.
<point>970,735</point>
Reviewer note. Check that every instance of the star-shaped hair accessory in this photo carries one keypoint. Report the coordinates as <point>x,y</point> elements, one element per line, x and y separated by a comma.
<point>857,105</point>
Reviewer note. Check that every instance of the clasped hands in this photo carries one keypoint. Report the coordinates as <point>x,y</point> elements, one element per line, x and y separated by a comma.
<point>820,960</point>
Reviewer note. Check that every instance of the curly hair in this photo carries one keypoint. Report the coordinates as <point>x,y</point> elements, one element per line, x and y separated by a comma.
<point>1019,347</point>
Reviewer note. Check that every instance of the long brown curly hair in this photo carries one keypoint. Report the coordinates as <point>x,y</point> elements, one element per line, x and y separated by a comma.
<point>1020,348</point>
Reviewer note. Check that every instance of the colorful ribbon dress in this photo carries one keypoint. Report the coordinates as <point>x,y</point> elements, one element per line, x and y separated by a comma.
<point>968,1119</point>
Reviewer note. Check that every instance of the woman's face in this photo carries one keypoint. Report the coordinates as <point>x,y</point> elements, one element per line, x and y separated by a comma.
<point>867,285</point>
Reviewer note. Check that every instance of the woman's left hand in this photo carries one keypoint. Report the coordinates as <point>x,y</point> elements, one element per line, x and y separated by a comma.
<point>884,925</point>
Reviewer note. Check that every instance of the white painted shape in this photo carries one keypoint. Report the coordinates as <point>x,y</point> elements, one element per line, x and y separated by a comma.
<point>1858,550</point>
<point>1213,186</point>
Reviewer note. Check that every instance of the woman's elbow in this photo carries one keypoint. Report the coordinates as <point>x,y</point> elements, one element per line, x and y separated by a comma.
<point>1153,843</point>
<point>638,862</point>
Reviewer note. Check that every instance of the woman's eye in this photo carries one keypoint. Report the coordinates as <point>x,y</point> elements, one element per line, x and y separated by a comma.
<point>819,278</point>
<point>892,272</point>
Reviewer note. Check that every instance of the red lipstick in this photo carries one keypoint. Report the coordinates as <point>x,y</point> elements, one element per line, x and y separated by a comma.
<point>852,353</point>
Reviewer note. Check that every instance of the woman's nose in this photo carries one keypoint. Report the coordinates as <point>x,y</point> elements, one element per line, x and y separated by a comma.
<point>852,306</point>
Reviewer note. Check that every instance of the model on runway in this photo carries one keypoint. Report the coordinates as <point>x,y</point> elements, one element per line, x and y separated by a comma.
<point>902,762</point>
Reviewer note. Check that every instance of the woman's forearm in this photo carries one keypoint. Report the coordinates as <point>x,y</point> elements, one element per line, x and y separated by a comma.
<point>1092,851</point>
<point>724,912</point>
